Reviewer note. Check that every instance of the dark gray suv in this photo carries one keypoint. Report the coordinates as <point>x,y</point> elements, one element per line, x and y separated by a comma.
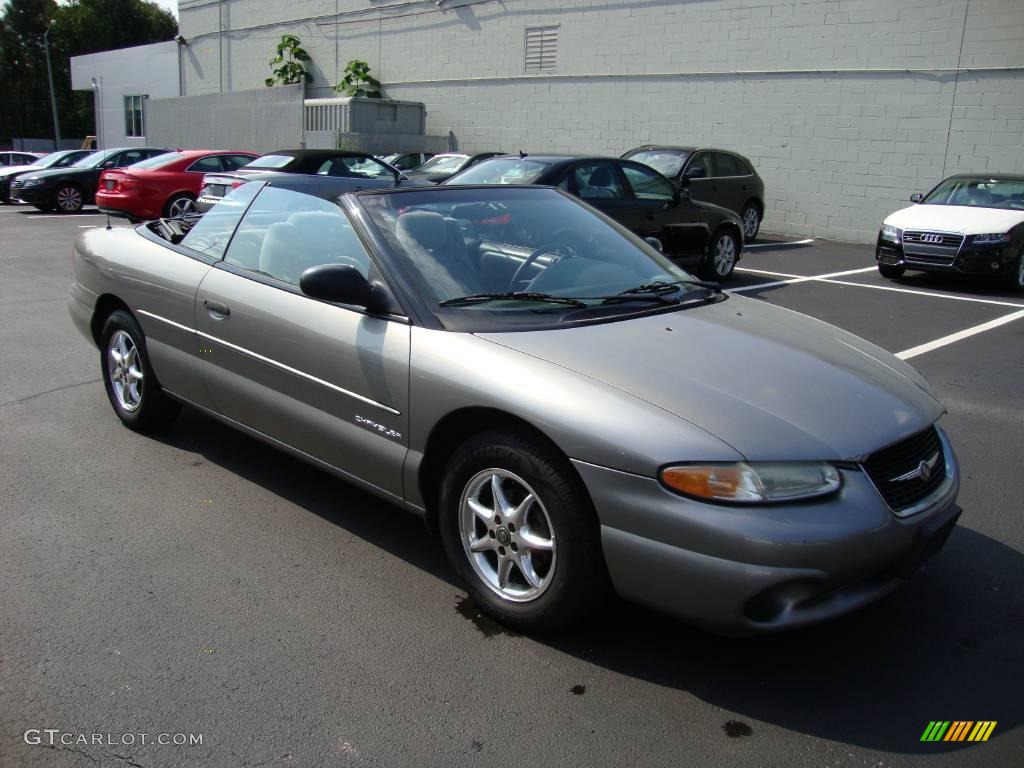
<point>712,176</point>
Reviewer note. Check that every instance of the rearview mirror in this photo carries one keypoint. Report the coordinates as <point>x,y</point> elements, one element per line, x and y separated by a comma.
<point>344,284</point>
<point>917,197</point>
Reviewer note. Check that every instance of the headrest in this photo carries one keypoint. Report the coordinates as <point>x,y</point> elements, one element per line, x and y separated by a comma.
<point>602,177</point>
<point>425,227</point>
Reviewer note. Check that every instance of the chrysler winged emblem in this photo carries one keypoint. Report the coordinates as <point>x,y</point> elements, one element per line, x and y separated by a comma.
<point>922,471</point>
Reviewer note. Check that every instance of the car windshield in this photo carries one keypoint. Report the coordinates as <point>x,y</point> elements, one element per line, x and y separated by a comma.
<point>94,160</point>
<point>47,160</point>
<point>668,162</point>
<point>444,164</point>
<point>502,170</point>
<point>158,161</point>
<point>271,161</point>
<point>980,193</point>
<point>521,257</point>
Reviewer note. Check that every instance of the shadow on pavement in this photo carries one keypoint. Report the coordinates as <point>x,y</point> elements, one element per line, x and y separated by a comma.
<point>950,646</point>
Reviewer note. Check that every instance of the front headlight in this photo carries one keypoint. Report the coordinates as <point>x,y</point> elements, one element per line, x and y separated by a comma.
<point>992,237</point>
<point>31,182</point>
<point>891,233</point>
<point>753,482</point>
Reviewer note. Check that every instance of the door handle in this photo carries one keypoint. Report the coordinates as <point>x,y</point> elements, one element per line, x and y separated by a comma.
<point>216,309</point>
<point>651,216</point>
<point>714,187</point>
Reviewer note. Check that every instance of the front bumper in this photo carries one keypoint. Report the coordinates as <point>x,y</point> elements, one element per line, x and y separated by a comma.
<point>35,195</point>
<point>81,305</point>
<point>744,570</point>
<point>968,259</point>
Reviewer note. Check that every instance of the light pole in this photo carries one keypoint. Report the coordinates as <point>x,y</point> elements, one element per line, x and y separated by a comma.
<point>97,108</point>
<point>53,96</point>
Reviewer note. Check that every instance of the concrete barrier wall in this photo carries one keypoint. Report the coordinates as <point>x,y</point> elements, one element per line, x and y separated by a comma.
<point>260,120</point>
<point>378,143</point>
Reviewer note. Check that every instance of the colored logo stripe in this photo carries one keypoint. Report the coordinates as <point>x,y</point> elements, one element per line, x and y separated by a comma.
<point>958,730</point>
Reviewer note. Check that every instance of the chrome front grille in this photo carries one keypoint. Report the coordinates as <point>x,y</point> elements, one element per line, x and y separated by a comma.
<point>909,471</point>
<point>933,248</point>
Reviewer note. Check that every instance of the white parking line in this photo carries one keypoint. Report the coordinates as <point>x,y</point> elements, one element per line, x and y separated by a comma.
<point>953,337</point>
<point>69,217</point>
<point>792,279</point>
<point>953,297</point>
<point>806,241</point>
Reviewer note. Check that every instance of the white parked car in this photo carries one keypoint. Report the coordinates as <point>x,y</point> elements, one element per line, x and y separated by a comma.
<point>971,224</point>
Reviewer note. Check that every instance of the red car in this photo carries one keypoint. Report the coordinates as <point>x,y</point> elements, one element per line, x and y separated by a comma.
<point>166,185</point>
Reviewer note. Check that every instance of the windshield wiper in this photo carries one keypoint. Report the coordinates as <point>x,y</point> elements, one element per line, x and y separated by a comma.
<point>656,290</point>
<point>477,298</point>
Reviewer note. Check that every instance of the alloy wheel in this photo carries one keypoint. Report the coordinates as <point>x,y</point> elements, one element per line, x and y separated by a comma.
<point>507,535</point>
<point>750,222</point>
<point>69,199</point>
<point>725,255</point>
<point>125,369</point>
<point>181,206</point>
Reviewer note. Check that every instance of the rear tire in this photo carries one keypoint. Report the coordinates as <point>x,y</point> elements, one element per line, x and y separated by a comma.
<point>128,377</point>
<point>179,205</point>
<point>723,253</point>
<point>887,270</point>
<point>751,218</point>
<point>542,533</point>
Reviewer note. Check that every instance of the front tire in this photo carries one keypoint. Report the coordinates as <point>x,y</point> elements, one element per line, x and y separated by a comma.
<point>723,254</point>
<point>751,217</point>
<point>128,377</point>
<point>887,270</point>
<point>519,528</point>
<point>69,198</point>
<point>1016,279</point>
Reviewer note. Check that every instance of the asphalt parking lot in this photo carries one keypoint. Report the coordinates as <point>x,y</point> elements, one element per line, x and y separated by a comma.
<point>202,583</point>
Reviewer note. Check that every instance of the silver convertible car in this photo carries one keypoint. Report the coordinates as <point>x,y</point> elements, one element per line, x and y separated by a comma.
<point>572,412</point>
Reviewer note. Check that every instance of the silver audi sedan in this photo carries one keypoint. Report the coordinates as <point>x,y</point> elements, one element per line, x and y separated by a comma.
<point>572,412</point>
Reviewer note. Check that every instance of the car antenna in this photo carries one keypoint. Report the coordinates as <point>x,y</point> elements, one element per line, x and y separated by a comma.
<point>521,154</point>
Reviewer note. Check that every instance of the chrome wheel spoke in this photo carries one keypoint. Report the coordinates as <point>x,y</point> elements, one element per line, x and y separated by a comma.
<point>501,505</point>
<point>505,565</point>
<point>524,562</point>
<point>535,542</point>
<point>483,544</point>
<point>517,515</point>
<point>486,515</point>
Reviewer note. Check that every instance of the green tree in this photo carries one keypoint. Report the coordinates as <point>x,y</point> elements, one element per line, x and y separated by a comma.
<point>82,26</point>
<point>358,81</point>
<point>289,65</point>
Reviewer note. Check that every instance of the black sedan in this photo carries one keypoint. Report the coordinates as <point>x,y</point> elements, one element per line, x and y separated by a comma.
<point>68,189</point>
<point>61,159</point>
<point>696,234</point>
<point>442,167</point>
<point>713,176</point>
<point>321,162</point>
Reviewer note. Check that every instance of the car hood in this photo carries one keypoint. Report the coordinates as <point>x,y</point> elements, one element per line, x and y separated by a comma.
<point>12,170</point>
<point>962,219</point>
<point>772,383</point>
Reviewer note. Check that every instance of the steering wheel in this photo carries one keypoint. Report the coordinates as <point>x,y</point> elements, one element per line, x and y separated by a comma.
<point>561,243</point>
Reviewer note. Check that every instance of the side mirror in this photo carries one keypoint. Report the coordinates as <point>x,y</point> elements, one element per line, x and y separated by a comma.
<point>108,164</point>
<point>344,284</point>
<point>917,197</point>
<point>655,243</point>
<point>684,180</point>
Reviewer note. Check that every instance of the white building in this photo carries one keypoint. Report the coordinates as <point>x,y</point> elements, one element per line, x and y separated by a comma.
<point>844,106</point>
<point>122,81</point>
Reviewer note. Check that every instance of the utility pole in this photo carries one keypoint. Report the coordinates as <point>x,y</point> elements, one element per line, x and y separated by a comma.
<point>53,95</point>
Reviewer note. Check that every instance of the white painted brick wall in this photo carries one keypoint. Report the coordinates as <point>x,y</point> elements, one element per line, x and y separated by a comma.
<point>838,151</point>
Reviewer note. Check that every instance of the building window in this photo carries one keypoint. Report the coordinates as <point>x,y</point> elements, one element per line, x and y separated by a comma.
<point>135,115</point>
<point>541,53</point>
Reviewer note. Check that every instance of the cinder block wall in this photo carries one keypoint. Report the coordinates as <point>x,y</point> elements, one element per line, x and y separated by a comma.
<point>844,106</point>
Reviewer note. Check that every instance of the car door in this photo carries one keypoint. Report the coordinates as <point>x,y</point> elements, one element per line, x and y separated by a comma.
<point>703,184</point>
<point>600,184</point>
<point>656,209</point>
<point>326,380</point>
<point>731,180</point>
